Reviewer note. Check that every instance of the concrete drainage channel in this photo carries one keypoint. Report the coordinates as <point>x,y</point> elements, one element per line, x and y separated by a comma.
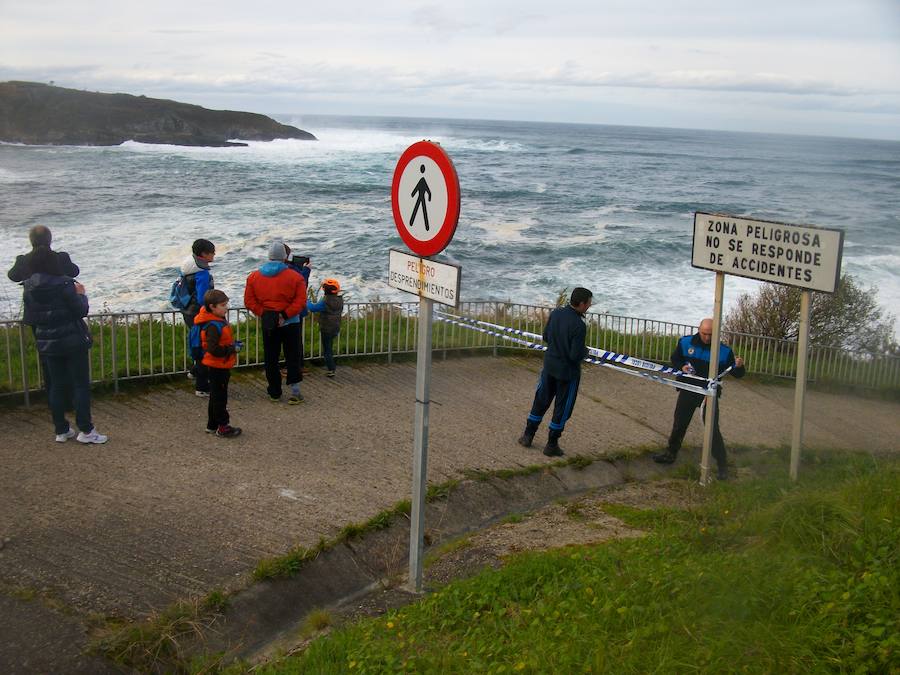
<point>264,613</point>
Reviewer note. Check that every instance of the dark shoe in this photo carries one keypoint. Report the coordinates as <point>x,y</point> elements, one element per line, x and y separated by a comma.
<point>228,431</point>
<point>552,449</point>
<point>525,440</point>
<point>210,431</point>
<point>664,458</point>
<point>722,473</point>
<point>295,399</point>
<point>330,373</point>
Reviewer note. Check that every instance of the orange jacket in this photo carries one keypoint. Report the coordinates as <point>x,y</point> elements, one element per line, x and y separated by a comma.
<point>275,287</point>
<point>221,354</point>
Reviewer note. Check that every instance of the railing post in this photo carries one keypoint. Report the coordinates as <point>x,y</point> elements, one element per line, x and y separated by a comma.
<point>24,366</point>
<point>497,321</point>
<point>390,349</point>
<point>115,354</point>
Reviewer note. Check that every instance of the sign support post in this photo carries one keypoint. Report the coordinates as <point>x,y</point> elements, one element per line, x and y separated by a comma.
<point>425,203</point>
<point>712,402</point>
<point>800,385</point>
<point>420,446</point>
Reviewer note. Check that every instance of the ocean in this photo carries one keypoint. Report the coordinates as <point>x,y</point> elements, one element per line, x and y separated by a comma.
<point>545,207</point>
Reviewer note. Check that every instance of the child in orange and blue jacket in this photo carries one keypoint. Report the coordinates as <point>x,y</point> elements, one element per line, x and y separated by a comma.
<point>330,308</point>
<point>219,356</point>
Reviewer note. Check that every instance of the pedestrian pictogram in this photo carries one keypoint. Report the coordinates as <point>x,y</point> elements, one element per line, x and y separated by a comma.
<point>420,189</point>
<point>425,198</point>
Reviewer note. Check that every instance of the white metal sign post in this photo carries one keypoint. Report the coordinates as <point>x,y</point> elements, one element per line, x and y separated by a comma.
<point>712,402</point>
<point>794,255</point>
<point>800,389</point>
<point>425,202</point>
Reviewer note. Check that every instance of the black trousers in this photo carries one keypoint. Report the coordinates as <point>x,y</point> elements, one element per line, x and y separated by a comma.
<point>562,393</point>
<point>286,338</point>
<point>687,403</point>
<point>70,376</point>
<point>218,397</point>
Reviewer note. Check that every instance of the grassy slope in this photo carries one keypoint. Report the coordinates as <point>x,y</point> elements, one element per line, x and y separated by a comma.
<point>763,577</point>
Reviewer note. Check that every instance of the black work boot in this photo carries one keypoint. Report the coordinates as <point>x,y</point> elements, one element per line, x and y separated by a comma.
<point>527,437</point>
<point>552,448</point>
<point>666,457</point>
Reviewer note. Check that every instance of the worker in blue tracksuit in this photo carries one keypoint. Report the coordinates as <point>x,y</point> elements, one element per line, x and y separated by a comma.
<point>565,335</point>
<point>691,356</point>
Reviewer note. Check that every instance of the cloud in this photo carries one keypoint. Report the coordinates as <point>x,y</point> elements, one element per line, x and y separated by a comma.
<point>569,75</point>
<point>436,19</point>
<point>179,31</point>
<point>284,74</point>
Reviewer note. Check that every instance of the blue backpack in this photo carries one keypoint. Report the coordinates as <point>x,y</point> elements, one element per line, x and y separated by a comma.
<point>195,341</point>
<point>181,295</point>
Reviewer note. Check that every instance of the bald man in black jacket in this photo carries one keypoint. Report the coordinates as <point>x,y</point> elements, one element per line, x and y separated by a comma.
<point>42,258</point>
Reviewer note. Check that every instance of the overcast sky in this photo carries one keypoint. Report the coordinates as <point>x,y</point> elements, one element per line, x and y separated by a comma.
<point>827,67</point>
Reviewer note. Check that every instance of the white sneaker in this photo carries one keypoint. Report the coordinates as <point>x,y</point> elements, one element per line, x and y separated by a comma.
<point>201,394</point>
<point>93,437</point>
<point>62,438</point>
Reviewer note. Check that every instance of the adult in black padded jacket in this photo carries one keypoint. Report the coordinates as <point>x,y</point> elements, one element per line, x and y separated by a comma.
<point>55,306</point>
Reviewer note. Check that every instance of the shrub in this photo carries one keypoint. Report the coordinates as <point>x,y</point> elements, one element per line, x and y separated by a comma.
<point>850,318</point>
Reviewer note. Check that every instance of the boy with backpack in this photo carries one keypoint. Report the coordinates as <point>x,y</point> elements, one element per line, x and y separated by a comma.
<point>219,355</point>
<point>330,308</point>
<point>187,295</point>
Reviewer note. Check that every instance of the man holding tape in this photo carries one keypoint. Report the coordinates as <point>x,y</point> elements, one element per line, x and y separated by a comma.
<point>691,355</point>
<point>565,336</point>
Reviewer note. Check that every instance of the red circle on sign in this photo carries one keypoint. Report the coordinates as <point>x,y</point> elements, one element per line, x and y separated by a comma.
<point>448,227</point>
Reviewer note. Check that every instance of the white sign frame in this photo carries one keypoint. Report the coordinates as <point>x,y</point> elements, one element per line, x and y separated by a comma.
<point>438,281</point>
<point>802,256</point>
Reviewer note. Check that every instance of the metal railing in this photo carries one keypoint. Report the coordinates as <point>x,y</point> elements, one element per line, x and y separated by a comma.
<point>136,345</point>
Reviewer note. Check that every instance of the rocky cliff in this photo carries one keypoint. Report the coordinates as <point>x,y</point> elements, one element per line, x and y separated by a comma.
<point>41,114</point>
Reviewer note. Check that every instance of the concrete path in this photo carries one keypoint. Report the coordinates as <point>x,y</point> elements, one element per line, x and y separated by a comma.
<point>164,511</point>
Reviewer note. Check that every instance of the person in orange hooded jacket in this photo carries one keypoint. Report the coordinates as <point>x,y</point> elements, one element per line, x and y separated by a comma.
<point>277,294</point>
<point>219,356</point>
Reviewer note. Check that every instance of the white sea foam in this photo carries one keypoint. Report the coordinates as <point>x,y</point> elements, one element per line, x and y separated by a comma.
<point>494,231</point>
<point>8,177</point>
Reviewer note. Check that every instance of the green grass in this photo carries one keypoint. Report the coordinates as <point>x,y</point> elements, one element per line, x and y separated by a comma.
<point>315,622</point>
<point>763,576</point>
<point>289,564</point>
<point>447,548</point>
<point>158,641</point>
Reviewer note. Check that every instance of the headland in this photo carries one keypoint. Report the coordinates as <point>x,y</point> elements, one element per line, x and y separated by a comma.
<point>40,114</point>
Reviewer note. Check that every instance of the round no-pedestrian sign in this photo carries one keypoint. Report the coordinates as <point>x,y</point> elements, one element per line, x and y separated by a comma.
<point>425,198</point>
